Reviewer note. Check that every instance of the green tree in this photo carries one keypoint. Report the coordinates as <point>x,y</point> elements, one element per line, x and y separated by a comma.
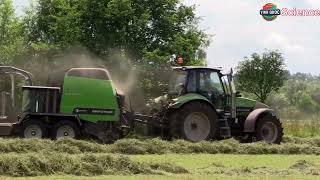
<point>261,74</point>
<point>306,103</point>
<point>140,29</point>
<point>11,39</point>
<point>292,88</point>
<point>150,33</point>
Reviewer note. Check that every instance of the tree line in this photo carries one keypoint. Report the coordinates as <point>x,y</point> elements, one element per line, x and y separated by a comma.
<point>144,34</point>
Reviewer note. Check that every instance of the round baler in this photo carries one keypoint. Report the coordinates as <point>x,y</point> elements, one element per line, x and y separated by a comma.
<point>84,102</point>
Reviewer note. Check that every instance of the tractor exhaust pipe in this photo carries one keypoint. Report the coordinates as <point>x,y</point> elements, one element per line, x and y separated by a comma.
<point>233,109</point>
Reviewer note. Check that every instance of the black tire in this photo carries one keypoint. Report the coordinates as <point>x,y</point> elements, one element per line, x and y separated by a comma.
<point>195,112</point>
<point>33,129</point>
<point>65,128</point>
<point>269,129</point>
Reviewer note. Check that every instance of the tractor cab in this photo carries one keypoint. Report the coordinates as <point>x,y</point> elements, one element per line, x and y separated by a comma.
<point>208,82</point>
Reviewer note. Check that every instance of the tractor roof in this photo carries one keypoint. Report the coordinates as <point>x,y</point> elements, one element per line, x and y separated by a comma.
<point>197,67</point>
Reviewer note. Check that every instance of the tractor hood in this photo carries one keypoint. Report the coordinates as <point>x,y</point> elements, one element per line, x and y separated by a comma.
<point>242,102</point>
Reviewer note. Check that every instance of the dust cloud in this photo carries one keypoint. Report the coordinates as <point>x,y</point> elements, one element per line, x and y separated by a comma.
<point>123,73</point>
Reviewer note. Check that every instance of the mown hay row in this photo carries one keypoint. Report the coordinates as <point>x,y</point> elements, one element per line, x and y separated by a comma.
<point>40,164</point>
<point>157,146</point>
<point>315,141</point>
<point>299,167</point>
<point>32,164</point>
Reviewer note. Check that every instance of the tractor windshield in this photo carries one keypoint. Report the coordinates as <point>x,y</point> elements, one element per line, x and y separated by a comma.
<point>177,81</point>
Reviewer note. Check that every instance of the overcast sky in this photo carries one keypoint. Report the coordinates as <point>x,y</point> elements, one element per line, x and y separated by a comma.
<point>238,30</point>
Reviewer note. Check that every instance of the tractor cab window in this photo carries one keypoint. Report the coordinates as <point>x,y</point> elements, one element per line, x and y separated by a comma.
<point>210,81</point>
<point>192,81</point>
<point>211,87</point>
<point>177,80</point>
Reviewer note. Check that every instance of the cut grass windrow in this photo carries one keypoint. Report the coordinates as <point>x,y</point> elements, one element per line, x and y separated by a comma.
<point>39,164</point>
<point>156,146</point>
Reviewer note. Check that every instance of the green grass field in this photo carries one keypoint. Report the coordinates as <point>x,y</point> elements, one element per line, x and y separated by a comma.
<point>296,158</point>
<point>145,158</point>
<point>309,127</point>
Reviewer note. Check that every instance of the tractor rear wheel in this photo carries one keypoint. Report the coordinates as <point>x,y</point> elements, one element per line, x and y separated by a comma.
<point>65,129</point>
<point>33,129</point>
<point>269,129</point>
<point>195,122</point>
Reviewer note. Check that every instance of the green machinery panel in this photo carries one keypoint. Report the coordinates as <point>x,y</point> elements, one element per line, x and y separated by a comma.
<point>93,99</point>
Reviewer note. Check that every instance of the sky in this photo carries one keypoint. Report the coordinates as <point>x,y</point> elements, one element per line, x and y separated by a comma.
<point>238,30</point>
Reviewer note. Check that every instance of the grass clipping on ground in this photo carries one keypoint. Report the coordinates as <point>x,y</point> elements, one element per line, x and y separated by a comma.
<point>39,164</point>
<point>34,157</point>
<point>299,167</point>
<point>157,146</point>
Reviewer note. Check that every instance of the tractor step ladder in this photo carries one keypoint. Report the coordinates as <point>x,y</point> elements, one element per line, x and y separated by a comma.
<point>225,130</point>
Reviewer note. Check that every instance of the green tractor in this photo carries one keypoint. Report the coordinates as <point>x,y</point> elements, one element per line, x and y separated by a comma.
<point>202,104</point>
<point>82,102</point>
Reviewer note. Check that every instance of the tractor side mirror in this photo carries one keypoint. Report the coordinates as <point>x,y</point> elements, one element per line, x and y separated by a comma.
<point>238,94</point>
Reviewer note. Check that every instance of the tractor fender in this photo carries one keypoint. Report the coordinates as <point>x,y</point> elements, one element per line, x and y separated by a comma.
<point>181,101</point>
<point>187,98</point>
<point>250,123</point>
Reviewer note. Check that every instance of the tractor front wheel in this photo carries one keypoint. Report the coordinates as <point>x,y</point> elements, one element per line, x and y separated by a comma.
<point>195,122</point>
<point>269,129</point>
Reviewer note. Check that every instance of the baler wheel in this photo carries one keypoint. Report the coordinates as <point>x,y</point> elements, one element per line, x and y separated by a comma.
<point>33,129</point>
<point>65,129</point>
